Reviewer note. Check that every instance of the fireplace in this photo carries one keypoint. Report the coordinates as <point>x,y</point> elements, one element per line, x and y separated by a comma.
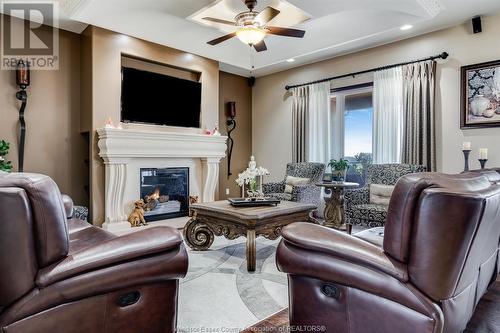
<point>165,192</point>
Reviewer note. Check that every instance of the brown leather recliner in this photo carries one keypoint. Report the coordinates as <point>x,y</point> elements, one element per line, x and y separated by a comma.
<point>60,275</point>
<point>437,258</point>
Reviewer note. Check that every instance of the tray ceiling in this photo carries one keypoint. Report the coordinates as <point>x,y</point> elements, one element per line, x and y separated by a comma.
<point>333,27</point>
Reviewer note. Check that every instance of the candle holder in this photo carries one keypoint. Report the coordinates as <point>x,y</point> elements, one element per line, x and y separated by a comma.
<point>466,157</point>
<point>483,163</point>
<point>231,125</point>
<point>23,81</point>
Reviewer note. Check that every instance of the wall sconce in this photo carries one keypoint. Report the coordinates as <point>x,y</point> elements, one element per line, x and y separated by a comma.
<point>231,125</point>
<point>23,81</point>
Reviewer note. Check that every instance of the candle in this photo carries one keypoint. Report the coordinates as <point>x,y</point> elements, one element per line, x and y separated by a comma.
<point>466,146</point>
<point>483,153</point>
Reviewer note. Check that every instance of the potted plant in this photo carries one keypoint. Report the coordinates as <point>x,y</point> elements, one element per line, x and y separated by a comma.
<point>339,169</point>
<point>5,166</point>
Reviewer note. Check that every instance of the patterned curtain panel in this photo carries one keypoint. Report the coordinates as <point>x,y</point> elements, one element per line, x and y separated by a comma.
<point>299,123</point>
<point>311,123</point>
<point>419,139</point>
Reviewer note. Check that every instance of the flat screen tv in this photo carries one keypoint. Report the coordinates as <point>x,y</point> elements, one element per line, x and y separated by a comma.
<point>153,98</point>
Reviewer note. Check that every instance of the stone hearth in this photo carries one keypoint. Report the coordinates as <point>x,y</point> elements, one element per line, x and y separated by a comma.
<point>125,151</point>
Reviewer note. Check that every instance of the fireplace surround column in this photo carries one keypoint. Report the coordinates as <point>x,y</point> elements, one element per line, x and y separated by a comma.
<point>115,178</point>
<point>210,172</point>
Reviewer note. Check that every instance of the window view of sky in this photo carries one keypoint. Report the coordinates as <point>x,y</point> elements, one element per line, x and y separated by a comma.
<point>358,132</point>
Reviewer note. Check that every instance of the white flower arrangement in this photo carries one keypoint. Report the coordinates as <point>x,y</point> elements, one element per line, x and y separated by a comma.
<point>250,174</point>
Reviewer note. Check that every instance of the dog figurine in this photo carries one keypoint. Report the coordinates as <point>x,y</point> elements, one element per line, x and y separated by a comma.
<point>136,218</point>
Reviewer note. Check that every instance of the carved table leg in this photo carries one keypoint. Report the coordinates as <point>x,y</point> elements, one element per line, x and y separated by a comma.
<point>334,210</point>
<point>198,235</point>
<point>251,251</point>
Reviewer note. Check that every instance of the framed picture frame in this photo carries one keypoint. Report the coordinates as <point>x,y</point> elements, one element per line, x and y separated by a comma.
<point>480,95</point>
<point>327,177</point>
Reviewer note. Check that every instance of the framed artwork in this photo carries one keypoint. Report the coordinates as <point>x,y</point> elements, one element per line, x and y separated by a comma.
<point>327,177</point>
<point>480,95</point>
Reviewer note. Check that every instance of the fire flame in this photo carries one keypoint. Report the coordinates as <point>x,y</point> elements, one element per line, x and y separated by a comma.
<point>155,195</point>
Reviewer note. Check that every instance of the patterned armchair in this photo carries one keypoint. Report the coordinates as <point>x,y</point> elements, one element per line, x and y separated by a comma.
<point>309,192</point>
<point>358,209</point>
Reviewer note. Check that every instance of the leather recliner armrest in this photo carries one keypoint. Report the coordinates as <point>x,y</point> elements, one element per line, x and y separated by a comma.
<point>68,205</point>
<point>342,246</point>
<point>117,250</point>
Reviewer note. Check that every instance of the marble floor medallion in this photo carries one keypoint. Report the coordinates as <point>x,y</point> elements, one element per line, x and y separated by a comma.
<point>219,295</point>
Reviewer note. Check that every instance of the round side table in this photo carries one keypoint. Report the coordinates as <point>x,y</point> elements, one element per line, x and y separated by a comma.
<point>334,209</point>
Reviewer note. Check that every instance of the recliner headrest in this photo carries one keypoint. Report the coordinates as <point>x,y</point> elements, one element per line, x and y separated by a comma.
<point>51,234</point>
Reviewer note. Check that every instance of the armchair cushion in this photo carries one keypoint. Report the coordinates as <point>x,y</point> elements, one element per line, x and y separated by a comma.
<point>306,193</point>
<point>291,181</point>
<point>380,194</point>
<point>280,196</point>
<point>273,187</point>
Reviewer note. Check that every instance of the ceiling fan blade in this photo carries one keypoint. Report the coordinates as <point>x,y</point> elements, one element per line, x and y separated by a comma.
<point>216,20</point>
<point>222,39</point>
<point>259,47</point>
<point>266,15</point>
<point>288,32</point>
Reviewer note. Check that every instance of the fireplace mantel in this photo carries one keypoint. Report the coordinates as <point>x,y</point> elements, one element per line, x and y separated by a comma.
<point>124,151</point>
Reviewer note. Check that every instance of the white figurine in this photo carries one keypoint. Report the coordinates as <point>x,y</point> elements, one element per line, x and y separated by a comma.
<point>252,164</point>
<point>216,129</point>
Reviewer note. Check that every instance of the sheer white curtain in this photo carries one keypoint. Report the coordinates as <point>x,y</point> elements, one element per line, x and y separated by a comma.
<point>388,115</point>
<point>318,124</point>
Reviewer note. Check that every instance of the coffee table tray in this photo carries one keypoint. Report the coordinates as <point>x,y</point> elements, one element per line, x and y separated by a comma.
<point>248,202</point>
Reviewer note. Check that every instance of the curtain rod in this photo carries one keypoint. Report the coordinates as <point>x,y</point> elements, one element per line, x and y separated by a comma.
<point>443,55</point>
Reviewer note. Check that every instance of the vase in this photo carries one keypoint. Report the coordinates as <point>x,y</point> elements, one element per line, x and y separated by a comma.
<point>339,175</point>
<point>478,105</point>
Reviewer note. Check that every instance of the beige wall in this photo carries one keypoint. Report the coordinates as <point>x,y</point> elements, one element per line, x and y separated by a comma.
<point>235,88</point>
<point>104,71</point>
<point>54,145</point>
<point>271,106</point>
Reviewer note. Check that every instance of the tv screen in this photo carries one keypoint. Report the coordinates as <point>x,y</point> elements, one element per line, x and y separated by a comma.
<point>154,98</point>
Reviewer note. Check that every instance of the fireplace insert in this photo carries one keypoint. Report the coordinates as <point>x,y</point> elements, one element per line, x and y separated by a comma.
<point>165,192</point>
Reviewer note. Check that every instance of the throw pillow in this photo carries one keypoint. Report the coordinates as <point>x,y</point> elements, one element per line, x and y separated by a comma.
<point>380,194</point>
<point>291,181</point>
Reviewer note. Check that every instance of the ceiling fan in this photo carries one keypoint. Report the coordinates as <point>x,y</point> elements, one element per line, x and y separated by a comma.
<point>252,28</point>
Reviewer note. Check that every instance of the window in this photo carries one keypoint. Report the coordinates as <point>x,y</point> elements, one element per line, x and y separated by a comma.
<point>352,128</point>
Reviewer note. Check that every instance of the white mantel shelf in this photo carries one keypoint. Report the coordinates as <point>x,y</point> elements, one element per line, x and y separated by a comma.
<point>117,143</point>
<point>122,151</point>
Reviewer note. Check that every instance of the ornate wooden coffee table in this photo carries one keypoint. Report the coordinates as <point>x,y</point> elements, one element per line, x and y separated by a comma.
<point>219,218</point>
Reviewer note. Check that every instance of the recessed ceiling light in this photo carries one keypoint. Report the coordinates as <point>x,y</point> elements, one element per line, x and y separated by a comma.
<point>406,27</point>
<point>290,60</point>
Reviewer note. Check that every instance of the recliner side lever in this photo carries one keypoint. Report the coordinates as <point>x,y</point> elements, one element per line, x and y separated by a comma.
<point>129,298</point>
<point>330,291</point>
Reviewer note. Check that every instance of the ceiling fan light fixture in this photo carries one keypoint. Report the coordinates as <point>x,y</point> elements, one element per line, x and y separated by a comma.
<point>251,35</point>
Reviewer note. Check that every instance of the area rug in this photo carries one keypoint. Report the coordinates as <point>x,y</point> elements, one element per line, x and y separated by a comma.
<point>219,295</point>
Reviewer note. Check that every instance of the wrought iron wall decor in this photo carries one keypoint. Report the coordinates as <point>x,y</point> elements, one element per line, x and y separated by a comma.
<point>231,125</point>
<point>23,81</point>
